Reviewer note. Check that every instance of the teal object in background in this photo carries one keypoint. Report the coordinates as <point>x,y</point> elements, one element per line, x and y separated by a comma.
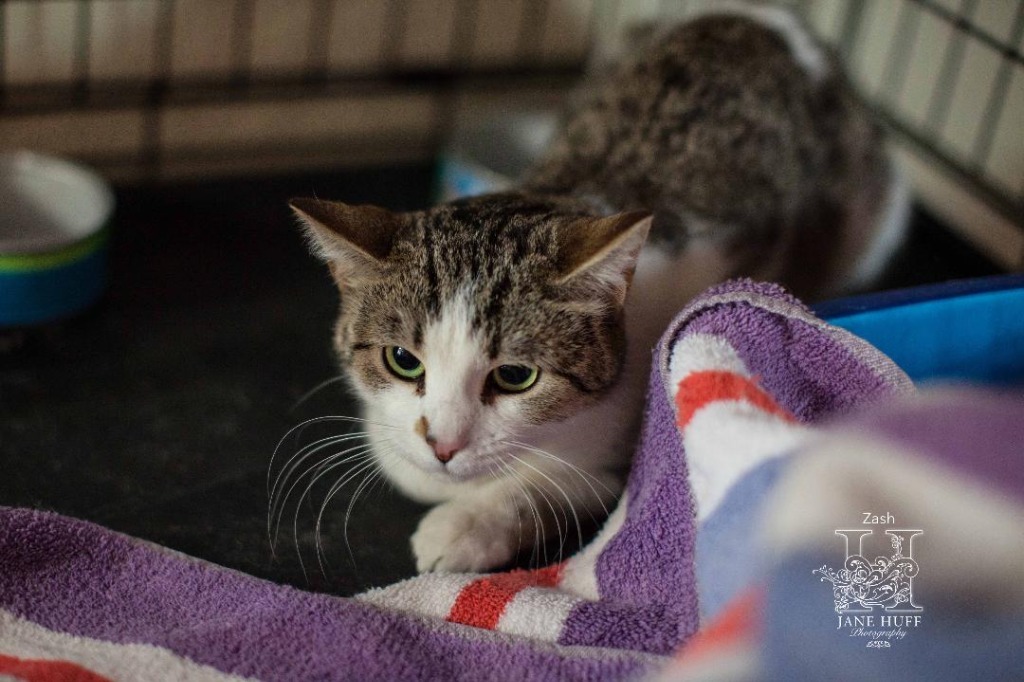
<point>488,154</point>
<point>54,235</point>
<point>460,177</point>
<point>971,330</point>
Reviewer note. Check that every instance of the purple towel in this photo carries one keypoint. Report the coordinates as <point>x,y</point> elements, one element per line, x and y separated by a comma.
<point>742,377</point>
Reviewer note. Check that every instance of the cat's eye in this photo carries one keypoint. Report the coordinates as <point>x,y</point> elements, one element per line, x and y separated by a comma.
<point>515,378</point>
<point>402,363</point>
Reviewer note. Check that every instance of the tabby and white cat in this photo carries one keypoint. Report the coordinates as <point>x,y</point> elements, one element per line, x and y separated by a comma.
<point>501,344</point>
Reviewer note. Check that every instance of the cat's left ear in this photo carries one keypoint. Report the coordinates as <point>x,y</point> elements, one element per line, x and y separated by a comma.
<point>601,253</point>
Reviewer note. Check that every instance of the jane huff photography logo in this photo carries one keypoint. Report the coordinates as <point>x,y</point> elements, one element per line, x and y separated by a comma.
<point>886,583</point>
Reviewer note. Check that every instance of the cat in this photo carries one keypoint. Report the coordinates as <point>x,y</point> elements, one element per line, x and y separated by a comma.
<point>500,344</point>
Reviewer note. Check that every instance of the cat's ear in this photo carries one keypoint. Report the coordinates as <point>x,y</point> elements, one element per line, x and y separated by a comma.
<point>353,240</point>
<point>601,253</point>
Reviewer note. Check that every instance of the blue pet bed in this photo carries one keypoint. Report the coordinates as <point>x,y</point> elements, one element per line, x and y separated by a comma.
<point>968,330</point>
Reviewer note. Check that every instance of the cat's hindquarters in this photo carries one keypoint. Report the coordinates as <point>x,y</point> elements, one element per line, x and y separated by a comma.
<point>740,127</point>
<point>888,231</point>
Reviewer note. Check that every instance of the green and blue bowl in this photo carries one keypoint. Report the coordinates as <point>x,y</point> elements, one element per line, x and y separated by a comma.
<point>54,231</point>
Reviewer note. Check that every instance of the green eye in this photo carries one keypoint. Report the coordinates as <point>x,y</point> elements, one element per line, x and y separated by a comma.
<point>515,378</point>
<point>402,363</point>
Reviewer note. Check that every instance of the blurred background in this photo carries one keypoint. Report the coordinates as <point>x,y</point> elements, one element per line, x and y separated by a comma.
<point>163,90</point>
<point>156,413</point>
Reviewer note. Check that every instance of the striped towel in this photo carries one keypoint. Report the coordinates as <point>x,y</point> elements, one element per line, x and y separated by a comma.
<point>742,379</point>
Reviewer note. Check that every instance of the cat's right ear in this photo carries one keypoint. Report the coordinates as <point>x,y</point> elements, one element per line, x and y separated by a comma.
<point>353,240</point>
<point>601,253</point>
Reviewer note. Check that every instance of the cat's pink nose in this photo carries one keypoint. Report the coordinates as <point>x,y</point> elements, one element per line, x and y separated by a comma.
<point>443,451</point>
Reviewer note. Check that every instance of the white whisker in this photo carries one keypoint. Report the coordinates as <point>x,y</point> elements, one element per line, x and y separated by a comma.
<point>374,475</point>
<point>354,453</point>
<point>276,499</point>
<point>583,474</point>
<point>296,460</point>
<point>538,525</point>
<point>496,473</point>
<point>337,486</point>
<point>554,514</point>
<point>575,516</point>
<point>316,389</point>
<point>316,420</point>
<point>361,458</point>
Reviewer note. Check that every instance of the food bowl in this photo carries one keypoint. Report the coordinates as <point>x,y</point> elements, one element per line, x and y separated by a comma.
<point>54,229</point>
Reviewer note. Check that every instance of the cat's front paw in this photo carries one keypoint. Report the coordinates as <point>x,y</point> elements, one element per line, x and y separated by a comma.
<point>457,537</point>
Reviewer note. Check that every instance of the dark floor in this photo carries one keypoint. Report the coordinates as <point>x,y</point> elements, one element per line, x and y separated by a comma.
<point>156,414</point>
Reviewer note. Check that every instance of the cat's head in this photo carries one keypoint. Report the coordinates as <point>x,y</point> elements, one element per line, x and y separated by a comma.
<point>476,322</point>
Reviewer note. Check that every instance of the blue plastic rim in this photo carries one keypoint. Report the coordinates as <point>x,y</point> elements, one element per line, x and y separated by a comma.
<point>54,218</point>
<point>970,330</point>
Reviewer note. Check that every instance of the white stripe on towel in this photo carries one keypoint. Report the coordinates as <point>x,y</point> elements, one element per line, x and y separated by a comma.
<point>580,574</point>
<point>728,438</point>
<point>537,613</point>
<point>24,639</point>
<point>702,353</point>
<point>431,594</point>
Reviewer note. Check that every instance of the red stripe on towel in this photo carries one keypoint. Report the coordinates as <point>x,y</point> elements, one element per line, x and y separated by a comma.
<point>482,602</point>
<point>701,388</point>
<point>47,671</point>
<point>739,622</point>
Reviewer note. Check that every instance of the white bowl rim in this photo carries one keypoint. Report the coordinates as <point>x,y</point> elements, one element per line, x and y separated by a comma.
<point>23,162</point>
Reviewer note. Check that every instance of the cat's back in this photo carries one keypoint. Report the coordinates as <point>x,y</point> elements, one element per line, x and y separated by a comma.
<point>721,114</point>
<point>736,122</point>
